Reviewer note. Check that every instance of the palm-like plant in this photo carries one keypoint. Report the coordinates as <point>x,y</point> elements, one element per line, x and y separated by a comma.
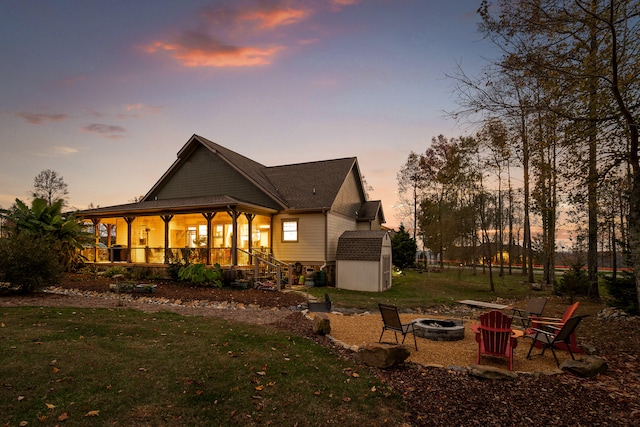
<point>48,221</point>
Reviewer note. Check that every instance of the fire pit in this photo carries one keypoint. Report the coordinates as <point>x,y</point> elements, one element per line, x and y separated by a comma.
<point>439,330</point>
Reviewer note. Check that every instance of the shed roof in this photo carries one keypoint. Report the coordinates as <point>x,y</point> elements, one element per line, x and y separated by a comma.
<point>363,245</point>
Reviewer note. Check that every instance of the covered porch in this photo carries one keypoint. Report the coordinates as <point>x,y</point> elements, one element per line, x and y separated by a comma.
<point>224,232</point>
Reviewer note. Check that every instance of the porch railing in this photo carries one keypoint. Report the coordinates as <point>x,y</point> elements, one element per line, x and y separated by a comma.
<point>266,266</point>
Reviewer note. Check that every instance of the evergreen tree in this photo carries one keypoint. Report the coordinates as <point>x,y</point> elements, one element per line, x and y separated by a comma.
<point>403,249</point>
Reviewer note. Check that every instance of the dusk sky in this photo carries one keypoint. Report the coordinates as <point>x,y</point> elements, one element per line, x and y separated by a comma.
<point>106,92</point>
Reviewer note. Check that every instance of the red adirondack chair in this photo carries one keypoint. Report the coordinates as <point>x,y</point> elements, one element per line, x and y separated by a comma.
<point>495,337</point>
<point>554,324</point>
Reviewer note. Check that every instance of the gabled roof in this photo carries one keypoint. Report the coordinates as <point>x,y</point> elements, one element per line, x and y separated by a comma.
<point>364,245</point>
<point>312,185</point>
<point>369,210</point>
<point>301,186</point>
<point>294,187</point>
<point>250,169</point>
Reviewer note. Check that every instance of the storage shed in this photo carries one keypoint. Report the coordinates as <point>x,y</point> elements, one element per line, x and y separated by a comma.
<point>363,261</point>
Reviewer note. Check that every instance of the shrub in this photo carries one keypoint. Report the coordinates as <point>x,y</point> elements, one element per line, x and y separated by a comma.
<point>176,263</point>
<point>139,272</point>
<point>29,262</point>
<point>200,274</point>
<point>114,271</point>
<point>623,292</point>
<point>574,282</point>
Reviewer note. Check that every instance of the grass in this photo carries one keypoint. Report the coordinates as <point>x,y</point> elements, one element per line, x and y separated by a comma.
<point>428,289</point>
<point>121,367</point>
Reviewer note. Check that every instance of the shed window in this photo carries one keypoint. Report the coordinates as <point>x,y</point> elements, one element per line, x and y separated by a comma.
<point>289,230</point>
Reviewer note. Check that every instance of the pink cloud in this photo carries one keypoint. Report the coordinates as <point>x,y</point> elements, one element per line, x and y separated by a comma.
<point>267,15</point>
<point>198,49</point>
<point>339,4</point>
<point>208,42</point>
<point>108,131</point>
<point>38,119</point>
<point>276,17</point>
<point>138,109</point>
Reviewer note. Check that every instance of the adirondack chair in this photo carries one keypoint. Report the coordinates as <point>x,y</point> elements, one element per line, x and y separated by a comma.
<point>391,321</point>
<point>495,337</point>
<point>553,324</point>
<point>535,307</point>
<point>551,339</point>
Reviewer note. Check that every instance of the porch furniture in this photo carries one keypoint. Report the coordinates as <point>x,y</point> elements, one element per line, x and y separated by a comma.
<point>551,339</point>
<point>320,307</point>
<point>391,321</point>
<point>482,304</point>
<point>535,307</point>
<point>495,336</point>
<point>553,324</point>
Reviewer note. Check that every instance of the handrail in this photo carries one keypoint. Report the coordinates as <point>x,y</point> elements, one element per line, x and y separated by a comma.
<point>273,262</point>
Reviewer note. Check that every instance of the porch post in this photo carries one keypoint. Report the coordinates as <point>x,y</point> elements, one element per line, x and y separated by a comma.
<point>166,219</point>
<point>96,232</point>
<point>109,231</point>
<point>250,217</point>
<point>233,213</point>
<point>129,220</point>
<point>208,216</point>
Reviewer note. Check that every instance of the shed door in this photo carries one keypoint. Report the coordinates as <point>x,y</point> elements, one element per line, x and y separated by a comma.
<point>386,271</point>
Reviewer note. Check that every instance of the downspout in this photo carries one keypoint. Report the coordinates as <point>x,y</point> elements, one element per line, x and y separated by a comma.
<point>326,238</point>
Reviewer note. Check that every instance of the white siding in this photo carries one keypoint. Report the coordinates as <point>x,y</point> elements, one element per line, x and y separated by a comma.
<point>358,275</point>
<point>350,196</point>
<point>337,224</point>
<point>310,245</point>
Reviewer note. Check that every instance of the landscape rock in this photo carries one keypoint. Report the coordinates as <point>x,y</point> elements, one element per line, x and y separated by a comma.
<point>612,313</point>
<point>536,286</point>
<point>321,324</point>
<point>383,355</point>
<point>491,373</point>
<point>586,367</point>
<point>589,349</point>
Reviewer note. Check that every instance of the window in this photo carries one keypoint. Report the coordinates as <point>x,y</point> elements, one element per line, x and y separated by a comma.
<point>289,230</point>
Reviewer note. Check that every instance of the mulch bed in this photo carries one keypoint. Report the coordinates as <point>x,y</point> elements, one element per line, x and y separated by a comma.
<point>442,397</point>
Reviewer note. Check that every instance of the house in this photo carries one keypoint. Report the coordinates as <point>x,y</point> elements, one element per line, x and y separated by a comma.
<point>363,261</point>
<point>214,205</point>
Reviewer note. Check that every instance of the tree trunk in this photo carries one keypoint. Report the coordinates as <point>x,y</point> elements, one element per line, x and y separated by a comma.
<point>634,227</point>
<point>592,179</point>
<point>510,213</point>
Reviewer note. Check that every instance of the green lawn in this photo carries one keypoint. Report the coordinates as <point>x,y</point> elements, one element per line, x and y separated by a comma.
<point>427,289</point>
<point>78,367</point>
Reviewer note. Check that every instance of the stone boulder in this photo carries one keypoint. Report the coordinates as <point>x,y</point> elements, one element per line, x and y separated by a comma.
<point>321,324</point>
<point>587,366</point>
<point>491,373</point>
<point>383,355</point>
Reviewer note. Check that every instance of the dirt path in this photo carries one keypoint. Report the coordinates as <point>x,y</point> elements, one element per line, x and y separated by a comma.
<point>237,312</point>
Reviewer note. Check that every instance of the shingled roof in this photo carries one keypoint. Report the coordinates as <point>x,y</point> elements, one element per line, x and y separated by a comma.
<point>365,245</point>
<point>176,206</point>
<point>370,210</point>
<point>301,186</point>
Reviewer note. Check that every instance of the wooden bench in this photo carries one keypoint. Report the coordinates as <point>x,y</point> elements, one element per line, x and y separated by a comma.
<point>482,304</point>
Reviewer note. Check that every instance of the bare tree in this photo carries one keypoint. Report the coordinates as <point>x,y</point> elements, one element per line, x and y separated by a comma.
<point>50,186</point>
